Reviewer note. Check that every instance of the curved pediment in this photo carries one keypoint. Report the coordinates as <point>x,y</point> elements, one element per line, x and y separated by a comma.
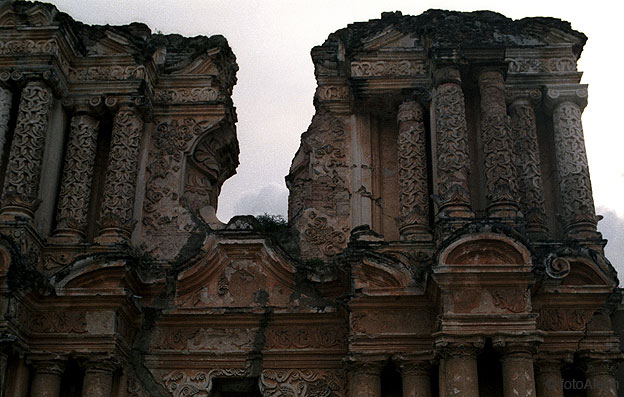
<point>485,249</point>
<point>238,272</point>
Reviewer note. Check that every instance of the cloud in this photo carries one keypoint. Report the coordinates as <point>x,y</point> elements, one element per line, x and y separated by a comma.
<point>271,198</point>
<point>612,228</point>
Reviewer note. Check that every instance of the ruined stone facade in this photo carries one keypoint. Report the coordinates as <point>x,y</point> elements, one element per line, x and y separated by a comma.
<point>441,240</point>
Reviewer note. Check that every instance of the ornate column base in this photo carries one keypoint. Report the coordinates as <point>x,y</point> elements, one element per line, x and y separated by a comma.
<point>416,233</point>
<point>18,208</point>
<point>113,231</point>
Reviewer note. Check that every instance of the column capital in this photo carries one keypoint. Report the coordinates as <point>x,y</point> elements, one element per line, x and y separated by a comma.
<point>365,364</point>
<point>449,346</point>
<point>522,95</point>
<point>526,346</point>
<point>106,365</point>
<point>413,364</point>
<point>51,366</point>
<point>558,94</point>
<point>446,74</point>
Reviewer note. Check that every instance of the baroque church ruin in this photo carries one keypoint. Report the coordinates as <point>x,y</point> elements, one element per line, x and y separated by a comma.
<point>441,238</point>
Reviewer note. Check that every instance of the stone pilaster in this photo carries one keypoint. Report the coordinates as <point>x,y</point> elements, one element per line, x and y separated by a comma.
<point>416,378</point>
<point>501,187</point>
<point>601,380</point>
<point>460,366</point>
<point>98,379</point>
<point>575,192</point>
<point>517,360</point>
<point>364,378</point>
<point>47,378</point>
<point>21,183</point>
<point>17,385</point>
<point>73,204</point>
<point>451,135</point>
<point>116,221</point>
<point>413,189</point>
<point>527,162</point>
<point>6,98</point>
<point>548,380</point>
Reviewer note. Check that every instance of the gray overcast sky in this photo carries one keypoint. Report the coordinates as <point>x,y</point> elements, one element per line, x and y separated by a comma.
<point>272,41</point>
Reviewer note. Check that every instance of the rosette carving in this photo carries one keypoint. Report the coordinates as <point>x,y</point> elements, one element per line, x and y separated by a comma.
<point>319,233</point>
<point>577,203</point>
<point>121,173</point>
<point>21,182</point>
<point>413,190</point>
<point>73,203</point>
<point>527,162</point>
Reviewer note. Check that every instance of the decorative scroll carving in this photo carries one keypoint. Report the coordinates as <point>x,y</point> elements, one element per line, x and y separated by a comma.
<point>73,203</point>
<point>318,233</point>
<point>387,68</point>
<point>514,300</point>
<point>197,383</point>
<point>108,73</point>
<point>300,383</point>
<point>204,339</point>
<point>332,92</point>
<point>188,95</point>
<point>527,162</point>
<point>26,157</point>
<point>500,174</point>
<point>575,186</point>
<point>563,319</point>
<point>5,113</point>
<point>321,337</point>
<point>453,163</point>
<point>413,190</point>
<point>557,267</point>
<point>58,322</point>
<point>24,47</point>
<point>121,173</point>
<point>542,65</point>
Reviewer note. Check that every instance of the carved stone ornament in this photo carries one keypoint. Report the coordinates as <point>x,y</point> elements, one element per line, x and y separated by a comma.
<point>5,113</point>
<point>188,95</point>
<point>332,92</point>
<point>21,181</point>
<point>197,383</point>
<point>58,322</point>
<point>26,47</point>
<point>563,319</point>
<point>321,337</point>
<point>319,233</point>
<point>413,187</point>
<point>121,172</point>
<point>557,267</point>
<point>527,162</point>
<point>542,65</point>
<point>573,171</point>
<point>73,204</point>
<point>453,162</point>
<point>301,383</point>
<point>387,68</point>
<point>108,73</point>
<point>501,187</point>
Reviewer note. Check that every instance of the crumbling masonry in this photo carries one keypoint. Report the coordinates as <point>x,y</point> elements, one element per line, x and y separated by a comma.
<point>441,239</point>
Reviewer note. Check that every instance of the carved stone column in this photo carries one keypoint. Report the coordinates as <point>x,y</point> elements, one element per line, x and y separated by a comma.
<point>601,378</point>
<point>6,98</point>
<point>460,367</point>
<point>73,204</point>
<point>47,379</point>
<point>517,360</point>
<point>575,192</point>
<point>98,379</point>
<point>415,377</point>
<point>549,381</point>
<point>365,378</point>
<point>451,135</point>
<point>21,183</point>
<point>501,187</point>
<point>116,221</point>
<point>413,189</point>
<point>18,383</point>
<point>527,162</point>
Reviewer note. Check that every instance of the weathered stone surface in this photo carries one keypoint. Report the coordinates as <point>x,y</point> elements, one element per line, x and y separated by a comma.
<point>422,239</point>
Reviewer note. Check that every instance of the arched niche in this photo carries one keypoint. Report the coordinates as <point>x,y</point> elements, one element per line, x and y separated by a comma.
<point>584,272</point>
<point>485,249</point>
